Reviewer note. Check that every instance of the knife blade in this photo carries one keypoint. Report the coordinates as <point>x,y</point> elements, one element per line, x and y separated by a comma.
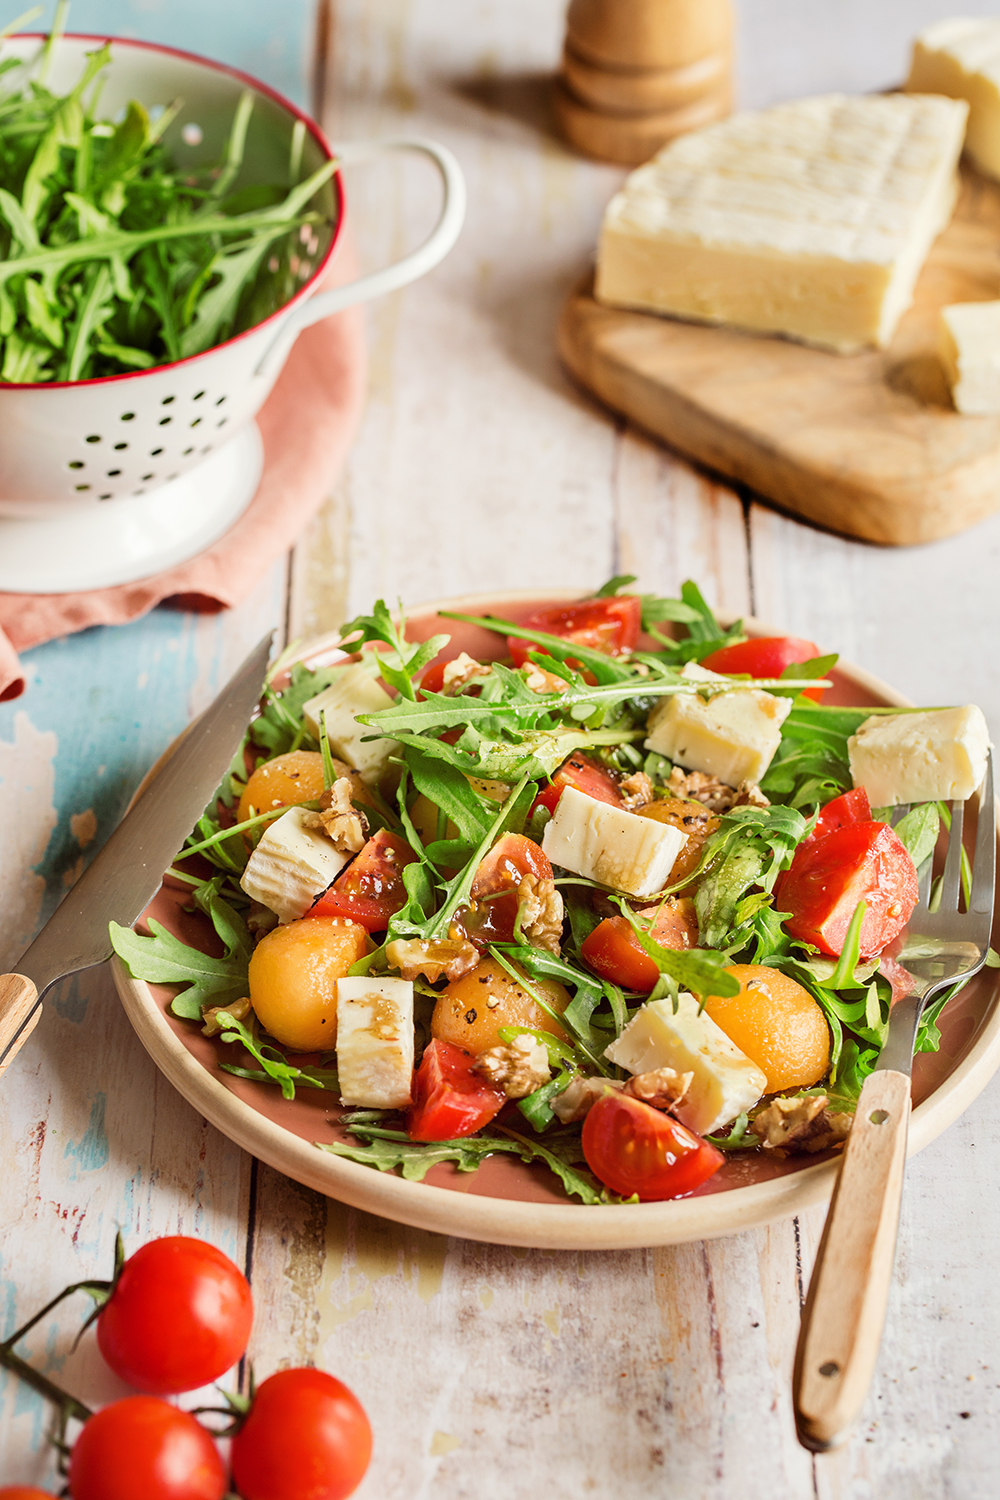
<point>125,876</point>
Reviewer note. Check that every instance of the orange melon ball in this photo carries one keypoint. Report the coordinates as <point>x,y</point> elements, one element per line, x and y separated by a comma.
<point>282,782</point>
<point>293,979</point>
<point>471,1010</point>
<point>777,1023</point>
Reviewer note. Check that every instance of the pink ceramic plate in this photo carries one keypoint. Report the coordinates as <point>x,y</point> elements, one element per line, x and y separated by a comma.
<point>507,1201</point>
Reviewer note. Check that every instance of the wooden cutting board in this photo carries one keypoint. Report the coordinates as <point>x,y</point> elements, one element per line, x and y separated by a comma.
<point>867,444</point>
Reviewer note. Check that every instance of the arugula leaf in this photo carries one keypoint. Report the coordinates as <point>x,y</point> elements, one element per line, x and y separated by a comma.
<point>739,1137</point>
<point>702,971</point>
<point>750,847</point>
<point>164,959</point>
<point>404,659</point>
<point>274,1066</point>
<point>919,830</point>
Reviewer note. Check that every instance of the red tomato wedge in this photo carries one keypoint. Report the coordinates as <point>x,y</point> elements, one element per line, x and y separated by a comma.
<point>491,915</point>
<point>449,1099</point>
<point>614,952</point>
<point>765,657</point>
<point>634,1148</point>
<point>371,888</point>
<point>608,625</point>
<point>828,877</point>
<point>588,776</point>
<point>850,807</point>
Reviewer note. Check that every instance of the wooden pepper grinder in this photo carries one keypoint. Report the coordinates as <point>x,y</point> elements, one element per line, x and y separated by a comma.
<point>636,73</point>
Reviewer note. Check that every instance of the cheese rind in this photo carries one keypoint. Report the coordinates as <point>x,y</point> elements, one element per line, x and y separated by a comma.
<point>725,1081</point>
<point>291,865</point>
<point>375,1042</point>
<point>938,755</point>
<point>610,845</point>
<point>960,57</point>
<point>354,692</point>
<point>732,736</point>
<point>811,219</point>
<point>969,350</point>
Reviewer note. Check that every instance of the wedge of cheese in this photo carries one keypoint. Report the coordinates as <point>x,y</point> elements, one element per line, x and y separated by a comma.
<point>937,755</point>
<point>725,1081</point>
<point>961,58</point>
<point>291,865</point>
<point>732,736</point>
<point>969,350</point>
<point>810,219</point>
<point>354,692</point>
<point>608,844</point>
<point>375,1042</point>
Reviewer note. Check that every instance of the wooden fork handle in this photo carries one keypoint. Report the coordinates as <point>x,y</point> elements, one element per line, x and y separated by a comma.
<point>17,998</point>
<point>845,1310</point>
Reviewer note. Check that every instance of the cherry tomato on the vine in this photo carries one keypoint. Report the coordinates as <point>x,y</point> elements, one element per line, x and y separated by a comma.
<point>634,1148</point>
<point>179,1317</point>
<point>23,1492</point>
<point>144,1449</point>
<point>306,1438</point>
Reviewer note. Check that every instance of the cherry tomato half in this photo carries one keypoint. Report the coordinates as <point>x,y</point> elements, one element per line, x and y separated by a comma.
<point>634,1148</point>
<point>179,1317</point>
<point>306,1438</point>
<point>856,862</point>
<point>588,776</point>
<point>144,1449</point>
<point>449,1099</point>
<point>371,889</point>
<point>491,914</point>
<point>613,950</point>
<point>850,807</point>
<point>608,625</point>
<point>768,656</point>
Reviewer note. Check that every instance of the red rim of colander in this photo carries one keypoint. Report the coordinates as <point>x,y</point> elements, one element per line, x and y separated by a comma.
<point>258,87</point>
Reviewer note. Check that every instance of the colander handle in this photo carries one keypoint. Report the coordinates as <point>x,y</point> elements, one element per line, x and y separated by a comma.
<point>412,266</point>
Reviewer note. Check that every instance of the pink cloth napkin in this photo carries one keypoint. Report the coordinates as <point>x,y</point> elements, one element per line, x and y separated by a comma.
<point>307,424</point>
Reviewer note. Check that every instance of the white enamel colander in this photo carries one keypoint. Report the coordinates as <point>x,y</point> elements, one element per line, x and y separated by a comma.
<point>105,481</point>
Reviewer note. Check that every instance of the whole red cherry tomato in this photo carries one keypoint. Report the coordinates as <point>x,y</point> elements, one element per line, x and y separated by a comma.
<point>306,1438</point>
<point>23,1492</point>
<point>450,1099</point>
<point>767,656</point>
<point>144,1449</point>
<point>634,1148</point>
<point>179,1317</point>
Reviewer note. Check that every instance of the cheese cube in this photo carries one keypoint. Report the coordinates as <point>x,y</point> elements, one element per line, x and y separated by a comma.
<point>354,692</point>
<point>969,350</point>
<point>961,58</point>
<point>938,755</point>
<point>606,843</point>
<point>375,1042</point>
<point>733,736</point>
<point>725,1081</point>
<point>810,219</point>
<point>291,865</point>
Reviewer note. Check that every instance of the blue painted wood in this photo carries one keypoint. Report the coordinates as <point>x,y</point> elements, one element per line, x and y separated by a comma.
<point>271,41</point>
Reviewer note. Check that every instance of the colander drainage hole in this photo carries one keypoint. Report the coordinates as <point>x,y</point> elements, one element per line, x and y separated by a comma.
<point>196,422</point>
<point>120,446</point>
<point>165,421</point>
<point>167,400</point>
<point>126,416</point>
<point>220,400</point>
<point>104,497</point>
<point>186,452</point>
<point>81,486</point>
<point>197,395</point>
<point>223,422</point>
<point>147,476</point>
<point>113,473</point>
<point>94,438</point>
<point>75,463</point>
<point>155,452</point>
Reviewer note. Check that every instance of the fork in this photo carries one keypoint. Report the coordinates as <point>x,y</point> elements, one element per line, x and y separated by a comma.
<point>844,1313</point>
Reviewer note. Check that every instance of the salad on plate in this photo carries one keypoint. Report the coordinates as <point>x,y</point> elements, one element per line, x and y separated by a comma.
<point>622,902</point>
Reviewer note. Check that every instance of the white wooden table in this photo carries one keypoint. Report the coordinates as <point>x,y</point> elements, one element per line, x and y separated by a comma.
<point>490,1372</point>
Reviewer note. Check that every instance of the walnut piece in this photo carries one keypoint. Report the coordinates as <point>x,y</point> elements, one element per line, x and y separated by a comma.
<point>540,909</point>
<point>449,958</point>
<point>801,1124</point>
<point>579,1094</point>
<point>636,791</point>
<point>520,1067</point>
<point>696,786</point>
<point>662,1087</point>
<point>463,669</point>
<point>339,818</point>
<point>239,1010</point>
<point>539,681</point>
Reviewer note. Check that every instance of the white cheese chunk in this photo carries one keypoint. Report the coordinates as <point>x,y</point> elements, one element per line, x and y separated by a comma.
<point>375,1042</point>
<point>291,865</point>
<point>810,219</point>
<point>732,736</point>
<point>725,1082</point>
<point>354,692</point>
<point>608,844</point>
<point>969,350</point>
<point>938,755</point>
<point>961,58</point>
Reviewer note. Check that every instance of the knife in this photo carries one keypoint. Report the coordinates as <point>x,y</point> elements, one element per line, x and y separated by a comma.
<point>125,876</point>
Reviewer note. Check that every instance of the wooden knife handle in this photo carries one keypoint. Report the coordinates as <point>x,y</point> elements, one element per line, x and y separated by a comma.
<point>17,996</point>
<point>845,1310</point>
